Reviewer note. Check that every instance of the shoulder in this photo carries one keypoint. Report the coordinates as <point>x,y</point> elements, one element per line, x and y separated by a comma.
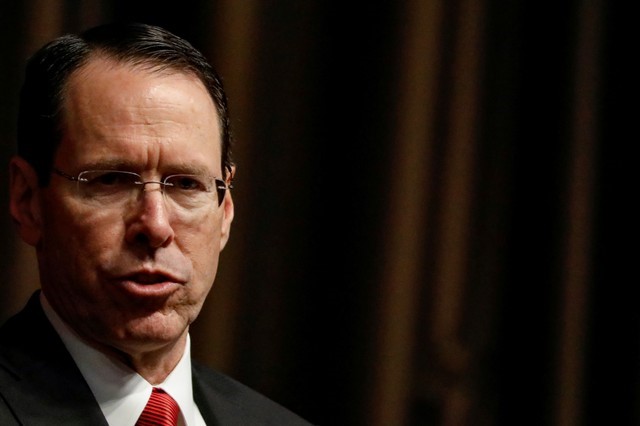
<point>34,367</point>
<point>231,402</point>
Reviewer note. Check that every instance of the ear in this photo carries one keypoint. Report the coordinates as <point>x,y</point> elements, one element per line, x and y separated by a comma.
<point>227,212</point>
<point>24,202</point>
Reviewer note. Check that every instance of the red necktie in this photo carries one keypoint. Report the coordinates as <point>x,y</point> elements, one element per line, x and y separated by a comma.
<point>161,410</point>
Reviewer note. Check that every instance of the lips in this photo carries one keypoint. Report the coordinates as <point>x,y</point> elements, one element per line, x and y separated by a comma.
<point>150,278</point>
<point>150,283</point>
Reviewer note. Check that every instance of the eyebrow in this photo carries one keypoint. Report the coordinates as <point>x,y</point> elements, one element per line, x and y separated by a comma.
<point>109,164</point>
<point>126,165</point>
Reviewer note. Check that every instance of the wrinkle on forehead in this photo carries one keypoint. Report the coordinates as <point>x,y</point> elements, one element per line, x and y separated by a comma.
<point>119,76</point>
<point>119,104</point>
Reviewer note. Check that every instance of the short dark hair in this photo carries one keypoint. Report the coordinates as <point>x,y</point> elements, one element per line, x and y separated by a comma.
<point>47,72</point>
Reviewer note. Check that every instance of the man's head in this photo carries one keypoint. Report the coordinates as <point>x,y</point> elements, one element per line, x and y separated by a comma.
<point>120,183</point>
<point>48,71</point>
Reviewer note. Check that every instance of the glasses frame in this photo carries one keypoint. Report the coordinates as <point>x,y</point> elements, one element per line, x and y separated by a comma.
<point>220,185</point>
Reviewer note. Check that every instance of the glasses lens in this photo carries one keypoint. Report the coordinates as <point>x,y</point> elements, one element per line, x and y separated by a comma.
<point>221,187</point>
<point>189,191</point>
<point>107,186</point>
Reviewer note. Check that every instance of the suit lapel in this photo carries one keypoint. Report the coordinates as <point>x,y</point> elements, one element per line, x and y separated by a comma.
<point>44,386</point>
<point>205,400</point>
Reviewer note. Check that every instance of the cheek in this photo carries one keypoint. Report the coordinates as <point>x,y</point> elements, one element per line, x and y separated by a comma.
<point>73,246</point>
<point>81,238</point>
<point>199,243</point>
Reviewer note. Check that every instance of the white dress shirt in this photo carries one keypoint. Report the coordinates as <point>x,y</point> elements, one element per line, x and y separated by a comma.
<point>121,392</point>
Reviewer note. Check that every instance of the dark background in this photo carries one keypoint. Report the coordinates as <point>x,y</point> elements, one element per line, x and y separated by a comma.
<point>482,279</point>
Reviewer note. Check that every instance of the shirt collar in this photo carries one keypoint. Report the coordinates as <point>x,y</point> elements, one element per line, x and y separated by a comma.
<point>121,392</point>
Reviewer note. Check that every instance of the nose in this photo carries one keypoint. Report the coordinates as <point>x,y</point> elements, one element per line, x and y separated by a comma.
<point>149,223</point>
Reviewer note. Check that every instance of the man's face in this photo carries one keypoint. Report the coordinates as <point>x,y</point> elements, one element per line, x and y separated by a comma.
<point>132,278</point>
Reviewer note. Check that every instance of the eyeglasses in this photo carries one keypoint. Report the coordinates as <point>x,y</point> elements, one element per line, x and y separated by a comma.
<point>117,187</point>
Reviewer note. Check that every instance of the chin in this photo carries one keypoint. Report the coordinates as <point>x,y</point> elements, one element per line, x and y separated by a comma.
<point>152,332</point>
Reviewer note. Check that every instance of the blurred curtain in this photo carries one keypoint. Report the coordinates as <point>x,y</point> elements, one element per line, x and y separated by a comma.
<point>419,207</point>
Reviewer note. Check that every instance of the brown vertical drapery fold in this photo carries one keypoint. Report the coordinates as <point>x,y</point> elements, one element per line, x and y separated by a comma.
<point>578,241</point>
<point>410,171</point>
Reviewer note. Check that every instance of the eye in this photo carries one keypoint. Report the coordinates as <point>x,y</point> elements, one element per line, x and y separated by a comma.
<point>108,178</point>
<point>186,183</point>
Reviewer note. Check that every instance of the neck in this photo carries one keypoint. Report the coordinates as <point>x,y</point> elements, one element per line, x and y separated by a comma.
<point>154,365</point>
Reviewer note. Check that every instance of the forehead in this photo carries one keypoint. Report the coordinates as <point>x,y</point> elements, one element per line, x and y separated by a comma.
<point>118,109</point>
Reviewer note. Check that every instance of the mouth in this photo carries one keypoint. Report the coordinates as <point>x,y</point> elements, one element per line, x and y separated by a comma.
<point>150,284</point>
<point>149,278</point>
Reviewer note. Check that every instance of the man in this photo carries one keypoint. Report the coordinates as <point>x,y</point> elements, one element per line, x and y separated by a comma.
<point>121,184</point>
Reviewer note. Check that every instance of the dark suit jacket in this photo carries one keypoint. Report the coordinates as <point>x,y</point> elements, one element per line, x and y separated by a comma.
<point>41,385</point>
